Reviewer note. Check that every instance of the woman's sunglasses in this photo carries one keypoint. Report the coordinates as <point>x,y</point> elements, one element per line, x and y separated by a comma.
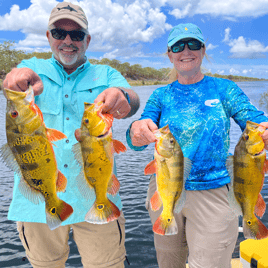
<point>192,44</point>
<point>60,34</point>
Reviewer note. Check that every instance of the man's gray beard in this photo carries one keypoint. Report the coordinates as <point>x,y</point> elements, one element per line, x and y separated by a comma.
<point>63,59</point>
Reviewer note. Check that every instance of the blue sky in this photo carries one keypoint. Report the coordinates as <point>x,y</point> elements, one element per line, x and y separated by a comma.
<point>136,31</point>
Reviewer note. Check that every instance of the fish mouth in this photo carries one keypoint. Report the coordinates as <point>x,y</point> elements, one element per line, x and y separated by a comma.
<point>261,152</point>
<point>103,135</point>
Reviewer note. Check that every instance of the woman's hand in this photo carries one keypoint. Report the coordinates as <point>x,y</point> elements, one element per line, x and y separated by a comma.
<point>141,132</point>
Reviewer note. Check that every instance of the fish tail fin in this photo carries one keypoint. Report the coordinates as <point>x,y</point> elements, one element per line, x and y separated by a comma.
<point>102,213</point>
<point>254,229</point>
<point>164,226</point>
<point>57,214</point>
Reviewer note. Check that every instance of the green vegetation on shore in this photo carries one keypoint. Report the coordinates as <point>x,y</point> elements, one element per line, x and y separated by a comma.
<point>135,74</point>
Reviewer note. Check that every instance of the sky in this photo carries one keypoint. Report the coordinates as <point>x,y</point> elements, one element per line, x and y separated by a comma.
<point>136,31</point>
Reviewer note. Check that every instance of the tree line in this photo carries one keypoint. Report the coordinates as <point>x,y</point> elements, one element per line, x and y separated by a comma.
<point>10,58</point>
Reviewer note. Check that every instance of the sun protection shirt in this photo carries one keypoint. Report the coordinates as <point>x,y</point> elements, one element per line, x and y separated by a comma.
<point>198,116</point>
<point>62,105</point>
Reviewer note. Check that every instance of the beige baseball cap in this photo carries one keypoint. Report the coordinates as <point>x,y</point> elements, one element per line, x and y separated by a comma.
<point>67,10</point>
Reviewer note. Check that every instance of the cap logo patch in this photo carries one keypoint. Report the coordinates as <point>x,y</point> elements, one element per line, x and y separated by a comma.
<point>186,29</point>
<point>68,7</point>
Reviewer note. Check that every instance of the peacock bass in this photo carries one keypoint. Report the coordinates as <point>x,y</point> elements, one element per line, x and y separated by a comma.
<point>95,155</point>
<point>30,154</point>
<point>171,169</point>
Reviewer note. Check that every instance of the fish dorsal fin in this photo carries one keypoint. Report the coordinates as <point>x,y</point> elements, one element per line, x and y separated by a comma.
<point>10,160</point>
<point>119,146</point>
<point>151,168</point>
<point>187,167</point>
<point>231,195</point>
<point>86,190</point>
<point>113,186</point>
<point>230,167</point>
<point>55,135</point>
<point>77,151</point>
<point>61,182</point>
<point>29,193</point>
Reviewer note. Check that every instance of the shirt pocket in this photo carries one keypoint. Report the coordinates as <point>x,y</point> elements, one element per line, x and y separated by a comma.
<point>50,101</point>
<point>87,93</point>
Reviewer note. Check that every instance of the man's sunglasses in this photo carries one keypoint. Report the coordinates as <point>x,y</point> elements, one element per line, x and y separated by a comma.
<point>60,34</point>
<point>179,46</point>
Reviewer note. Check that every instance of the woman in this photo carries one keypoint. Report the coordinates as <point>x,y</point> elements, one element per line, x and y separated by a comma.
<point>198,109</point>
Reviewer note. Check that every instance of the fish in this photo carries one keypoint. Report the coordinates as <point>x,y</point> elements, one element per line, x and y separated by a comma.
<point>95,155</point>
<point>171,169</point>
<point>29,153</point>
<point>247,168</point>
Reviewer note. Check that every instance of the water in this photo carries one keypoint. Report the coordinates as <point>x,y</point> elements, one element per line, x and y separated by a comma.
<point>139,235</point>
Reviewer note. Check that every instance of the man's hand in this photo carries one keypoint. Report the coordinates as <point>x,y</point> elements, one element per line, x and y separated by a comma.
<point>115,102</point>
<point>19,79</point>
<point>265,134</point>
<point>141,132</point>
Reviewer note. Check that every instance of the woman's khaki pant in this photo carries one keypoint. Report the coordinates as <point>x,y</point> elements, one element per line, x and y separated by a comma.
<point>207,235</point>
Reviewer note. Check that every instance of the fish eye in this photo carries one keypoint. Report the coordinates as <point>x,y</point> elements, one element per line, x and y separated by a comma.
<point>249,222</point>
<point>86,121</point>
<point>246,137</point>
<point>14,114</point>
<point>53,211</point>
<point>171,141</point>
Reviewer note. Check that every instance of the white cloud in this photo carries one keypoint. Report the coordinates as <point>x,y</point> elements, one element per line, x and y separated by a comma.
<point>220,72</point>
<point>241,48</point>
<point>114,25</point>
<point>228,9</point>
<point>210,47</point>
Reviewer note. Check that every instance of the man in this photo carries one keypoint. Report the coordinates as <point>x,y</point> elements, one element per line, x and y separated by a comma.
<point>66,81</point>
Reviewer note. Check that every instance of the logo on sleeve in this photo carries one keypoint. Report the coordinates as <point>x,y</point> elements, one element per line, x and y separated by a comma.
<point>212,103</point>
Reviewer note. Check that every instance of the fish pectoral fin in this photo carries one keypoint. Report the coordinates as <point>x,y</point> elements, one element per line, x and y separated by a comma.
<point>9,159</point>
<point>113,186</point>
<point>119,146</point>
<point>260,206</point>
<point>55,135</point>
<point>77,151</point>
<point>156,201</point>
<point>233,203</point>
<point>30,193</point>
<point>61,182</point>
<point>151,168</point>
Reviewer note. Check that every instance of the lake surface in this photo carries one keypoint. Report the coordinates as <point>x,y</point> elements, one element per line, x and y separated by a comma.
<point>130,166</point>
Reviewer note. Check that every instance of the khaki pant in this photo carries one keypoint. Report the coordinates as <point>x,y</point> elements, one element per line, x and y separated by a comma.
<point>208,231</point>
<point>100,245</point>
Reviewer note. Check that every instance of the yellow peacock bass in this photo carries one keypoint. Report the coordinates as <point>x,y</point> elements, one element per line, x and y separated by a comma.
<point>171,169</point>
<point>246,169</point>
<point>94,153</point>
<point>30,154</point>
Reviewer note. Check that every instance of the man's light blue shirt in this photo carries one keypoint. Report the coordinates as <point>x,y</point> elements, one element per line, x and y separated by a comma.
<point>62,105</point>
